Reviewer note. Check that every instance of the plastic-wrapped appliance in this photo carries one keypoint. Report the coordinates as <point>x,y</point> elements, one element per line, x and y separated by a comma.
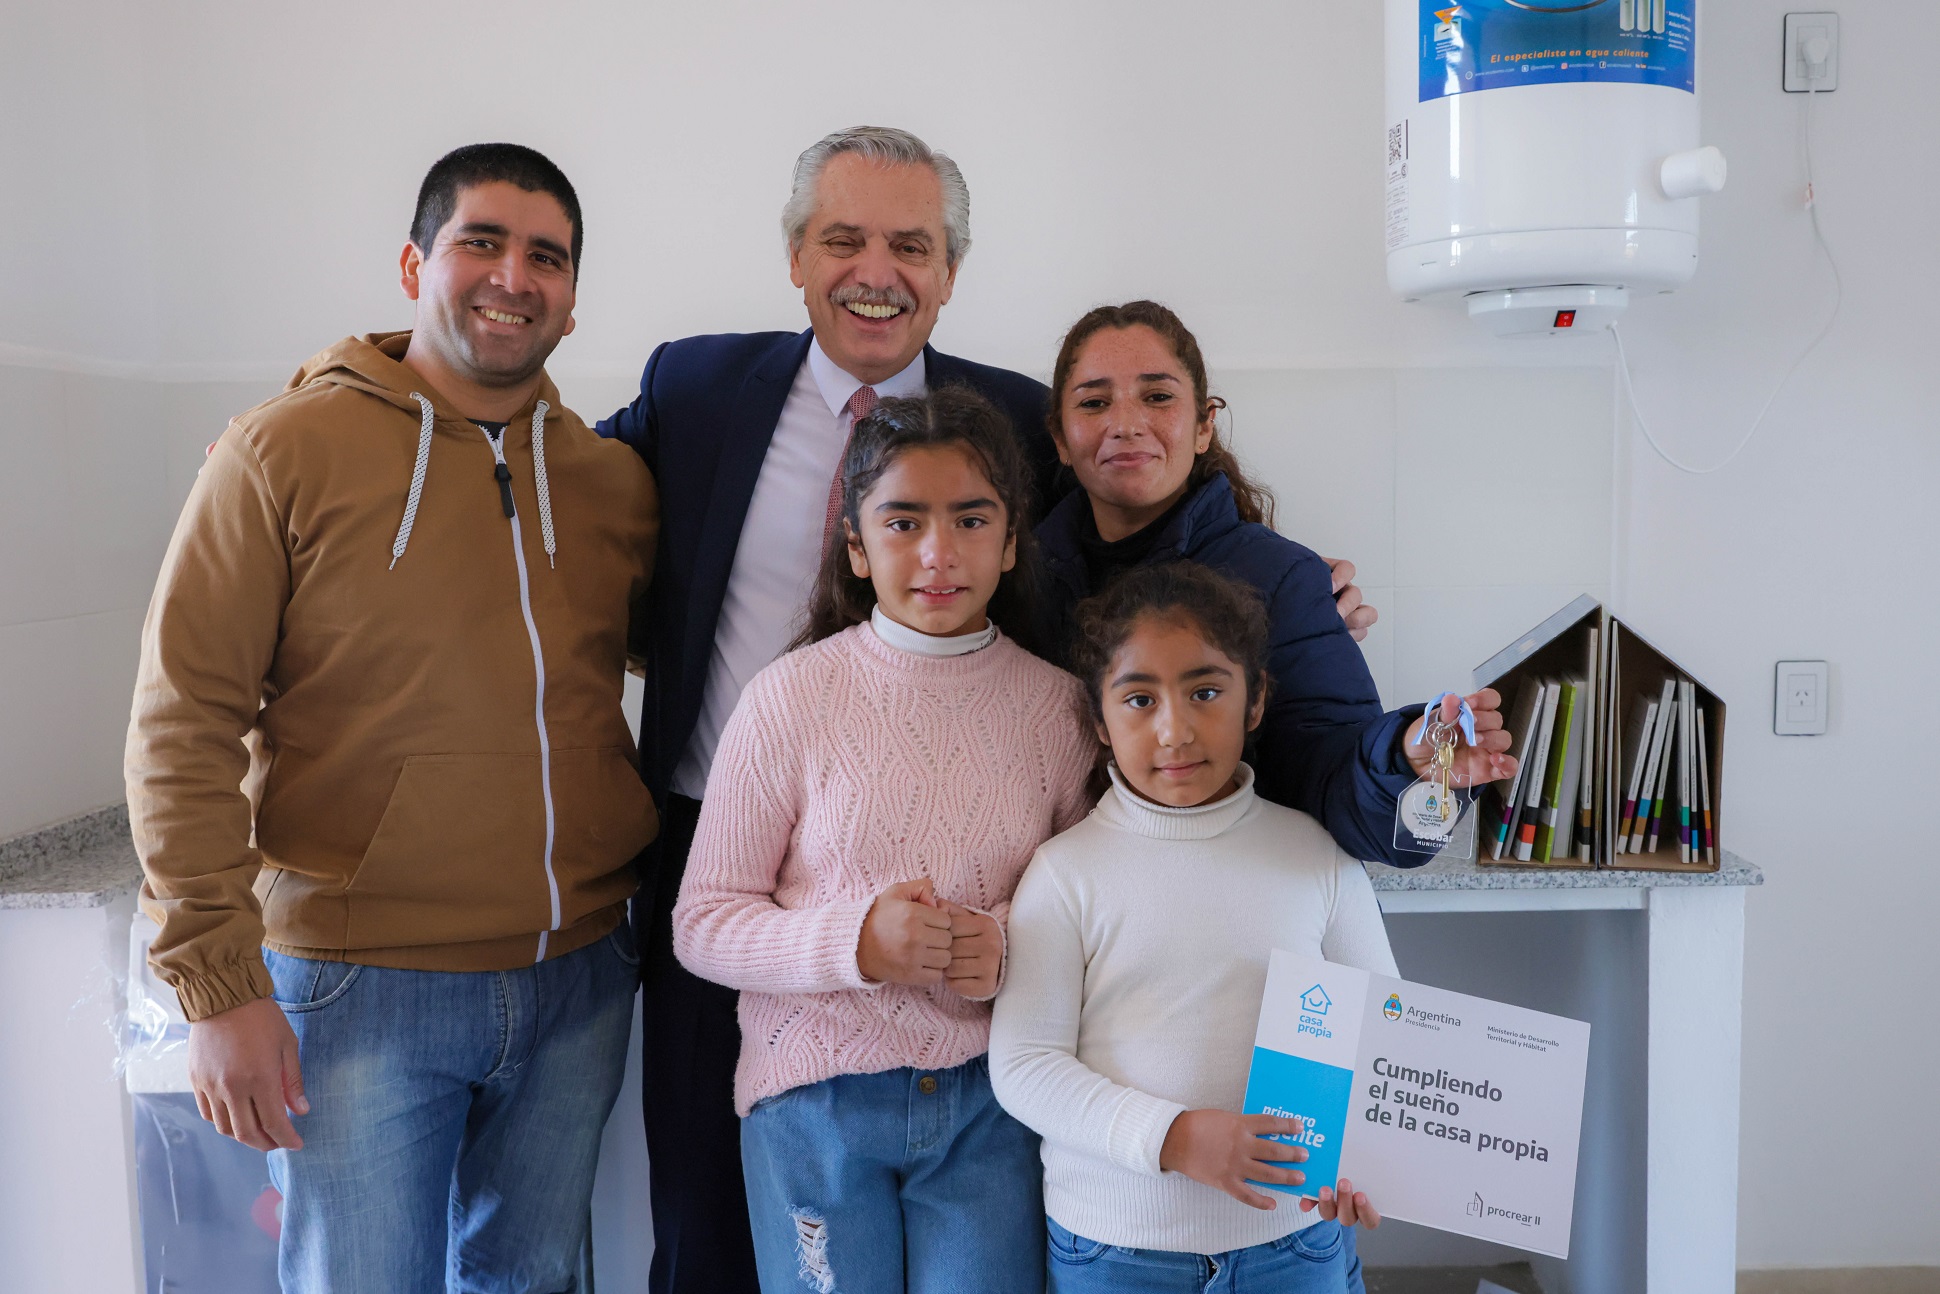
<point>1543,160</point>
<point>209,1216</point>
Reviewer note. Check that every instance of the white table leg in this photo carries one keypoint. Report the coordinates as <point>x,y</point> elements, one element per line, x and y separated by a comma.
<point>1697,963</point>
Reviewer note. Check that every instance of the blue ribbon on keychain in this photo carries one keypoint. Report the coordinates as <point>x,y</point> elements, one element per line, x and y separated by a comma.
<point>1465,717</point>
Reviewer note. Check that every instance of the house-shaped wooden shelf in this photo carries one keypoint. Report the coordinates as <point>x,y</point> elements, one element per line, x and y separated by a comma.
<point>1641,743</point>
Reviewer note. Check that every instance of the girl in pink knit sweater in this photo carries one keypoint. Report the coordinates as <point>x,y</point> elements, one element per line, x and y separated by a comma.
<point>877,794</point>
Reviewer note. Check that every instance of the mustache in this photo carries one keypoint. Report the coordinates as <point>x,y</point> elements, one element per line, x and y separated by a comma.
<point>859,295</point>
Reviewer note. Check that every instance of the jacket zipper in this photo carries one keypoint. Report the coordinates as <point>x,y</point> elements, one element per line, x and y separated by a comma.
<point>503,475</point>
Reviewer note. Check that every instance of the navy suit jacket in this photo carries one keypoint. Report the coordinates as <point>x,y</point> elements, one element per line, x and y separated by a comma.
<point>707,409</point>
<point>1324,746</point>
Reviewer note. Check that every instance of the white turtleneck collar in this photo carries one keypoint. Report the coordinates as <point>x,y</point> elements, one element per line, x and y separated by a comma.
<point>903,638</point>
<point>1125,808</point>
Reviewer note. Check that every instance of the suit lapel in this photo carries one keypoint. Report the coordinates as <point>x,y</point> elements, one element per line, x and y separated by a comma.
<point>746,431</point>
<point>940,369</point>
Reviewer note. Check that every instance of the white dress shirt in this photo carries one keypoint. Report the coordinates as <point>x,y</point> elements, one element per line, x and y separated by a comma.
<point>781,545</point>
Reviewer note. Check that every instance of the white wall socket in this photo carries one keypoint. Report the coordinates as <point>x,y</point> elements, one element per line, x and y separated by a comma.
<point>1801,28</point>
<point>1799,698</point>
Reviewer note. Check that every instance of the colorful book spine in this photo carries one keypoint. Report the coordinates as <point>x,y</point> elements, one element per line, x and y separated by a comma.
<point>1594,703</point>
<point>1686,769</point>
<point>1704,790</point>
<point>1529,705</point>
<point>1665,759</point>
<point>1636,745</point>
<point>1649,793</point>
<point>1507,812</point>
<point>1532,800</point>
<point>1544,844</point>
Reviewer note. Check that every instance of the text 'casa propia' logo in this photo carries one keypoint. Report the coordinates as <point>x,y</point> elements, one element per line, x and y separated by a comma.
<point>1392,1007</point>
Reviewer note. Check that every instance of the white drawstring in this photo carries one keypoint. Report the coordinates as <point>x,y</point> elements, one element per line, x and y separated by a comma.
<point>539,479</point>
<point>417,479</point>
<point>424,461</point>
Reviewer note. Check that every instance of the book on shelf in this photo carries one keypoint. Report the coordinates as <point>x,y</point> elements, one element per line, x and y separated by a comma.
<point>1585,799</point>
<point>1664,758</point>
<point>1532,798</point>
<point>1704,789</point>
<point>1647,802</point>
<point>1636,745</point>
<point>1686,765</point>
<point>1507,804</point>
<point>1565,746</point>
<point>1617,751</point>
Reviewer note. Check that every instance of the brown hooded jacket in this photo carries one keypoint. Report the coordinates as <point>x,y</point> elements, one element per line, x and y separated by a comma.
<point>442,774</point>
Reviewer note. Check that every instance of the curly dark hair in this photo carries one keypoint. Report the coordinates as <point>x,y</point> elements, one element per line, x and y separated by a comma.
<point>1229,615</point>
<point>952,416</point>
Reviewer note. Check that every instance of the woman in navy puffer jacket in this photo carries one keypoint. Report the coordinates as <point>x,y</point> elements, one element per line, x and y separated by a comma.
<point>1132,418</point>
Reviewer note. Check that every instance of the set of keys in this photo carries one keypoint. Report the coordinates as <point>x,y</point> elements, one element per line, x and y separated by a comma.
<point>1429,818</point>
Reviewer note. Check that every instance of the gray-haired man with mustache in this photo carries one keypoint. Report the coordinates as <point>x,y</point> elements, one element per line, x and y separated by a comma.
<point>745,433</point>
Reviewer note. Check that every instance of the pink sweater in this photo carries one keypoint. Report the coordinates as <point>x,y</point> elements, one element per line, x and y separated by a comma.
<point>850,766</point>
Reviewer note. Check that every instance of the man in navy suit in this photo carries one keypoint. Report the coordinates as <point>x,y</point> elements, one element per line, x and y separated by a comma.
<point>744,433</point>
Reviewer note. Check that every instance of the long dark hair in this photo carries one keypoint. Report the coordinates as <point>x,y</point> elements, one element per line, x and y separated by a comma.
<point>1229,615</point>
<point>947,416</point>
<point>1253,500</point>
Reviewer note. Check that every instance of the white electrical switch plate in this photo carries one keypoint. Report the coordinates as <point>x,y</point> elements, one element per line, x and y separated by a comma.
<point>1799,698</point>
<point>1800,28</point>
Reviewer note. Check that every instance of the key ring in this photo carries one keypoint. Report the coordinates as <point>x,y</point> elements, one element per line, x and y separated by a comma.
<point>1429,815</point>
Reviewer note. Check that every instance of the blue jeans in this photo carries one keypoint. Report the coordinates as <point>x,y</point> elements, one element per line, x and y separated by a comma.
<point>906,1180</point>
<point>454,1121</point>
<point>1317,1258</point>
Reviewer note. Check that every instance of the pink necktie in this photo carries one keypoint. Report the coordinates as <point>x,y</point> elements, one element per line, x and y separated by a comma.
<point>861,405</point>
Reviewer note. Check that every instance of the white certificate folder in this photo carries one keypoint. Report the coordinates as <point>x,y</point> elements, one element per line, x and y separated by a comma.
<point>1451,1111</point>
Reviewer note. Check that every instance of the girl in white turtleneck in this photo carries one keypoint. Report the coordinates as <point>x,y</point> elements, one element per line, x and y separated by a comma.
<point>1139,943</point>
<point>877,794</point>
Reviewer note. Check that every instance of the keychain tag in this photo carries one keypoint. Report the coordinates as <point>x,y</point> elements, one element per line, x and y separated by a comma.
<point>1432,815</point>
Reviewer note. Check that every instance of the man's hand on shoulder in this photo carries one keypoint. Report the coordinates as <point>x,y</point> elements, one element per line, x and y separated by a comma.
<point>1360,617</point>
<point>243,1067</point>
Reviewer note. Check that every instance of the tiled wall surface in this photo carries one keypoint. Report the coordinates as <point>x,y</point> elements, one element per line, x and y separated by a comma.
<point>1474,503</point>
<point>96,471</point>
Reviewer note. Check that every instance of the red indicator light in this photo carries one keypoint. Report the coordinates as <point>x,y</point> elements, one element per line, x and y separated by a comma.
<point>1565,319</point>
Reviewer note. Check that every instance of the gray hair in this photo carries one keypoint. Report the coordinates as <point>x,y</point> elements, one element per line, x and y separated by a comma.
<point>880,144</point>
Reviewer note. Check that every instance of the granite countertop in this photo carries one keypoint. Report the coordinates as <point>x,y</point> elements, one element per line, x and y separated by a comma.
<point>1444,874</point>
<point>82,863</point>
<point>87,861</point>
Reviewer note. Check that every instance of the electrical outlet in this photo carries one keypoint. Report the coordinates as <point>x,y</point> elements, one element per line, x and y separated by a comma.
<point>1799,698</point>
<point>1801,30</point>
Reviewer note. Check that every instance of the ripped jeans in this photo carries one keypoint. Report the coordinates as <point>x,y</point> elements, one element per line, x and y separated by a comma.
<point>906,1180</point>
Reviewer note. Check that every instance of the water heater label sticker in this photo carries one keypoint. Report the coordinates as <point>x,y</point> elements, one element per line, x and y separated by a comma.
<point>1397,211</point>
<point>1489,44</point>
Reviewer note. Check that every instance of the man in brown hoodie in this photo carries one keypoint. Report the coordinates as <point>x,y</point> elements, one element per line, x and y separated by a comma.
<point>379,774</point>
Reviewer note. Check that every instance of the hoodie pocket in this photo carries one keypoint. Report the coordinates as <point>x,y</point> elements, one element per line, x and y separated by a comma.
<point>460,854</point>
<point>602,817</point>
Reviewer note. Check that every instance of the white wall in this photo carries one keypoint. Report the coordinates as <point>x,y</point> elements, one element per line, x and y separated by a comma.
<point>77,198</point>
<point>81,519</point>
<point>1815,544</point>
<point>210,193</point>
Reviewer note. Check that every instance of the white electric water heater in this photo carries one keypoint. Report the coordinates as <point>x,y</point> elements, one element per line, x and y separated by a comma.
<point>1542,156</point>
